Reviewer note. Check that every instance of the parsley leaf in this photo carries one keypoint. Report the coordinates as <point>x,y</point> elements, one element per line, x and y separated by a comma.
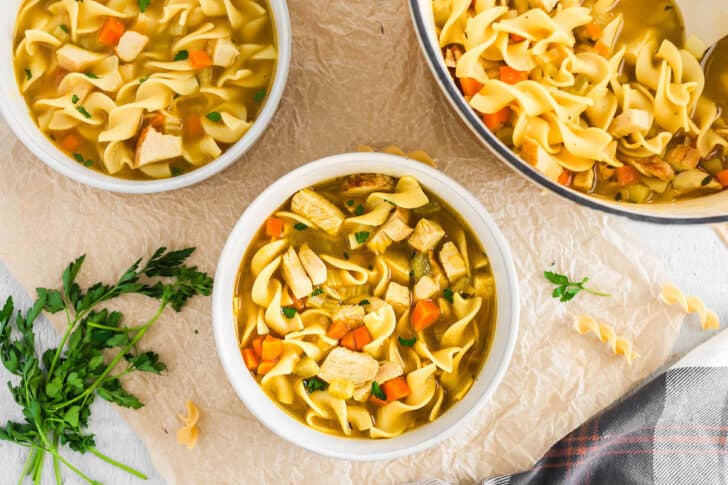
<point>28,74</point>
<point>259,96</point>
<point>83,111</point>
<point>144,4</point>
<point>64,28</point>
<point>364,302</point>
<point>78,157</point>
<point>90,75</point>
<point>313,384</point>
<point>74,99</point>
<point>214,116</point>
<point>407,342</point>
<point>361,237</point>
<point>318,291</point>
<point>378,392</point>
<point>299,226</point>
<point>566,289</point>
<point>288,312</point>
<point>181,55</point>
<point>359,210</point>
<point>448,294</point>
<point>350,202</point>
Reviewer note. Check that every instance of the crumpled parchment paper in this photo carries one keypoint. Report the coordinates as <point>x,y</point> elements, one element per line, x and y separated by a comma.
<point>357,76</point>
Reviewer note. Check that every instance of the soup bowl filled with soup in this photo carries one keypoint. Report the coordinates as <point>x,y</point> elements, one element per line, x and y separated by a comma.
<point>603,102</point>
<point>142,95</point>
<point>364,305</point>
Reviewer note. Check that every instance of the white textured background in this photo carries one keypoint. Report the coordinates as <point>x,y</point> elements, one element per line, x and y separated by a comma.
<point>695,257</point>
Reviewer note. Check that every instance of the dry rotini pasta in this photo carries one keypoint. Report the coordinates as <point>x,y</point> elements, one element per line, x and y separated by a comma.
<point>672,295</point>
<point>606,334</point>
<point>188,433</point>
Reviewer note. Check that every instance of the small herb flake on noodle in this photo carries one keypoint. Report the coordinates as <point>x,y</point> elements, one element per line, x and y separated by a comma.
<point>407,342</point>
<point>74,99</point>
<point>28,74</point>
<point>214,116</point>
<point>288,312</point>
<point>361,237</point>
<point>83,111</point>
<point>181,56</point>
<point>314,384</point>
<point>90,75</point>
<point>378,392</point>
<point>143,5</point>
<point>259,96</point>
<point>299,226</point>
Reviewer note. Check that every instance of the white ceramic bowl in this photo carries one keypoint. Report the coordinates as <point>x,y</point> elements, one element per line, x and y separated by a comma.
<point>16,113</point>
<point>226,335</point>
<point>702,210</point>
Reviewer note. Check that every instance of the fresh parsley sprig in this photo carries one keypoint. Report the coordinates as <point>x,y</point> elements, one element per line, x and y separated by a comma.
<point>566,289</point>
<point>57,387</point>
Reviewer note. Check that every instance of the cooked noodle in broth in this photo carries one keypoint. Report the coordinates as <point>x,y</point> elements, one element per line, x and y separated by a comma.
<point>365,306</point>
<point>144,89</point>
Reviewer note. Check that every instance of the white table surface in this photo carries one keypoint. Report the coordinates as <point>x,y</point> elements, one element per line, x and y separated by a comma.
<point>695,257</point>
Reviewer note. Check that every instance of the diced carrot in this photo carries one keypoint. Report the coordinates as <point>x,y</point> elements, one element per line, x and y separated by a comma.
<point>470,86</point>
<point>300,304</point>
<point>396,389</point>
<point>265,367</point>
<point>274,227</point>
<point>377,401</point>
<point>193,126</point>
<point>111,32</point>
<point>626,175</point>
<point>496,120</point>
<point>337,330</point>
<point>157,121</point>
<point>200,59</point>
<point>361,337</point>
<point>593,30</point>
<point>258,346</point>
<point>722,177</point>
<point>510,76</point>
<point>251,360</point>
<point>348,341</point>
<point>517,38</point>
<point>71,142</point>
<point>566,178</point>
<point>271,349</point>
<point>425,313</point>
<point>602,49</point>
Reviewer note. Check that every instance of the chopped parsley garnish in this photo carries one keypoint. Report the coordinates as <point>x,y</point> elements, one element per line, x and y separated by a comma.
<point>259,96</point>
<point>359,210</point>
<point>706,180</point>
<point>378,392</point>
<point>350,202</point>
<point>74,99</point>
<point>83,111</point>
<point>288,312</point>
<point>407,342</point>
<point>64,28</point>
<point>317,292</point>
<point>88,163</point>
<point>90,75</point>
<point>181,56</point>
<point>214,116</point>
<point>364,302</point>
<point>346,255</point>
<point>28,74</point>
<point>142,79</point>
<point>299,226</point>
<point>567,289</point>
<point>361,237</point>
<point>144,4</point>
<point>448,294</point>
<point>78,157</point>
<point>313,384</point>
<point>177,171</point>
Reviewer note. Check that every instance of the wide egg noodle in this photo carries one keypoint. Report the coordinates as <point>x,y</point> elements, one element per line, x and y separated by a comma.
<point>380,324</point>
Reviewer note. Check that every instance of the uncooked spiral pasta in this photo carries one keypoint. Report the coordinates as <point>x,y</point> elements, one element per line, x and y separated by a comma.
<point>672,295</point>
<point>365,306</point>
<point>187,435</point>
<point>603,96</point>
<point>606,334</point>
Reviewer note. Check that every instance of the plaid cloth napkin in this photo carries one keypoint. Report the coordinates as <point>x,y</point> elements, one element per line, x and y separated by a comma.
<point>672,430</point>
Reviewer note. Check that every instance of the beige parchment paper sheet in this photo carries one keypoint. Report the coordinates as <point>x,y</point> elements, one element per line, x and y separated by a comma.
<point>357,76</point>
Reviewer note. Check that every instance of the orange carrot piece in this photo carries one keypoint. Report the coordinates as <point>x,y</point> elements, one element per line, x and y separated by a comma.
<point>602,49</point>
<point>425,313</point>
<point>566,178</point>
<point>470,86</point>
<point>722,177</point>
<point>496,120</point>
<point>193,126</point>
<point>111,32</point>
<point>337,330</point>
<point>258,346</point>
<point>627,175</point>
<point>396,389</point>
<point>265,367</point>
<point>517,38</point>
<point>274,227</point>
<point>200,59</point>
<point>361,337</point>
<point>300,304</point>
<point>251,360</point>
<point>157,121</point>
<point>377,401</point>
<point>271,349</point>
<point>348,341</point>
<point>510,76</point>
<point>593,31</point>
<point>71,142</point>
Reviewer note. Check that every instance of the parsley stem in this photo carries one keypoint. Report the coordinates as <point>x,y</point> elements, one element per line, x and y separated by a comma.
<point>69,328</point>
<point>114,329</point>
<point>56,463</point>
<point>597,293</point>
<point>111,461</point>
<point>26,466</point>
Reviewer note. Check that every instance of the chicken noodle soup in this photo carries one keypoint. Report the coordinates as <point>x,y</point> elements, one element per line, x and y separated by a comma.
<point>604,96</point>
<point>365,307</point>
<point>144,88</point>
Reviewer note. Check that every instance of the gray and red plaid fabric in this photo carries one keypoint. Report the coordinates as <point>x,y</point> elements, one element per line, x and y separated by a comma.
<point>674,430</point>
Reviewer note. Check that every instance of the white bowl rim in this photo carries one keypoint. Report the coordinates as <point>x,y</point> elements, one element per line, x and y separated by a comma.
<point>263,408</point>
<point>487,138</point>
<point>44,150</point>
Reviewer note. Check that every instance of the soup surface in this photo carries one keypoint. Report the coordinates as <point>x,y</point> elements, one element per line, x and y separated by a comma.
<point>144,88</point>
<point>604,96</point>
<point>365,307</point>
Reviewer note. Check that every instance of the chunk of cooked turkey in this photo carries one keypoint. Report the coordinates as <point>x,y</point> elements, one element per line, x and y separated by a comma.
<point>452,262</point>
<point>653,167</point>
<point>683,157</point>
<point>547,5</point>
<point>317,208</point>
<point>342,363</point>
<point>426,236</point>
<point>398,296</point>
<point>294,275</point>
<point>154,146</point>
<point>425,288</point>
<point>366,183</point>
<point>629,122</point>
<point>223,52</point>
<point>314,266</point>
<point>130,45</point>
<point>394,230</point>
<point>540,159</point>
<point>74,58</point>
<point>350,315</point>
